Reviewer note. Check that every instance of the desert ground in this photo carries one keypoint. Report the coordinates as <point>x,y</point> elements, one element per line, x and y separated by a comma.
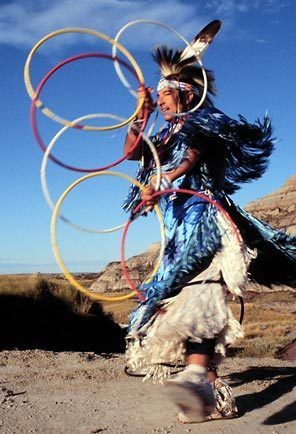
<point>81,392</point>
<point>62,366</point>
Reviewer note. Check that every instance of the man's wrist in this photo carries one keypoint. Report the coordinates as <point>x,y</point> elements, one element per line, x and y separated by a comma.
<point>135,125</point>
<point>165,182</point>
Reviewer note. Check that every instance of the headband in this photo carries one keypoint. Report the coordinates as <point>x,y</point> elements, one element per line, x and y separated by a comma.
<point>174,84</point>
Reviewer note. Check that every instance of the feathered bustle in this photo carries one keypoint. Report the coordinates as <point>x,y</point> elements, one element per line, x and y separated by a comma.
<point>247,147</point>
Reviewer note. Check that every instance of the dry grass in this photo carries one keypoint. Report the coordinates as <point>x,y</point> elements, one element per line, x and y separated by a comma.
<point>36,312</point>
<point>269,321</point>
<point>120,310</point>
<point>38,287</point>
<point>266,329</point>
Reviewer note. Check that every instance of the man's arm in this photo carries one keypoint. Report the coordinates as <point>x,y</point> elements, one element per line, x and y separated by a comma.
<point>130,139</point>
<point>136,124</point>
<point>193,155</point>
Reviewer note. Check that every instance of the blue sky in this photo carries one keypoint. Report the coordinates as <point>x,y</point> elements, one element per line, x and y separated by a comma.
<point>253,59</point>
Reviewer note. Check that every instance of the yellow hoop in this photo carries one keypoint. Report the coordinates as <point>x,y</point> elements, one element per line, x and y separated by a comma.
<point>53,143</point>
<point>67,274</point>
<point>46,111</point>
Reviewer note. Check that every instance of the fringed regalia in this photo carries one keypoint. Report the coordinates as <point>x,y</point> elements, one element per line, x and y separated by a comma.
<point>201,246</point>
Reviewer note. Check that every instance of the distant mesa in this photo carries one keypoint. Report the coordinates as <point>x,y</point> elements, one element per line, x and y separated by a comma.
<point>140,266</point>
<point>278,209</point>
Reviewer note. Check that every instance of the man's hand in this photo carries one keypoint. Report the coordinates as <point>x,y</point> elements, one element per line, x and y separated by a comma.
<point>136,125</point>
<point>146,195</point>
<point>149,104</point>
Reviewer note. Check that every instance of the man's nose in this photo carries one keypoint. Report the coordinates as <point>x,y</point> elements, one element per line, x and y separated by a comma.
<point>159,101</point>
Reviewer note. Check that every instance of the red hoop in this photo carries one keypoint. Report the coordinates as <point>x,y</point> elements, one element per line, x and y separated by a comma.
<point>124,268</point>
<point>34,120</point>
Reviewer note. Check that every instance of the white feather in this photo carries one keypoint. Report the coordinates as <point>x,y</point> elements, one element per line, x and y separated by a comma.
<point>201,41</point>
<point>195,50</point>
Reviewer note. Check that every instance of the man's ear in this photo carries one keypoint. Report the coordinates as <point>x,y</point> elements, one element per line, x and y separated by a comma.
<point>189,97</point>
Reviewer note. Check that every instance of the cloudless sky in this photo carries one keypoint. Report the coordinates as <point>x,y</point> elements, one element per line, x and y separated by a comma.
<point>253,58</point>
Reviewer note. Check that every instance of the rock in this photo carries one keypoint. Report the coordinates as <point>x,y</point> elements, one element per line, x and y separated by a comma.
<point>278,209</point>
<point>139,266</point>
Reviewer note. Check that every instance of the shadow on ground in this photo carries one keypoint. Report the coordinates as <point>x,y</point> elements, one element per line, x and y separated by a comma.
<point>283,381</point>
<point>50,323</point>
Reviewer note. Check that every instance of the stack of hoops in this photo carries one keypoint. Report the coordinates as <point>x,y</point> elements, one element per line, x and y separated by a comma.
<point>132,66</point>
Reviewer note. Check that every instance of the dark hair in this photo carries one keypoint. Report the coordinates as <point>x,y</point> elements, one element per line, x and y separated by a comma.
<point>192,80</point>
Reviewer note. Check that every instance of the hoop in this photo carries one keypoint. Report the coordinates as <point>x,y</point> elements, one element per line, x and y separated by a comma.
<point>45,110</point>
<point>67,274</point>
<point>47,154</point>
<point>125,270</point>
<point>165,26</point>
<point>34,120</point>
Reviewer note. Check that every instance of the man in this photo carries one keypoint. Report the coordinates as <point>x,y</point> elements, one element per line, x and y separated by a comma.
<point>185,316</point>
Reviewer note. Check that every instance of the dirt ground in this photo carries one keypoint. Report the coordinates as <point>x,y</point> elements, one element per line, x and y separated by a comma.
<point>79,392</point>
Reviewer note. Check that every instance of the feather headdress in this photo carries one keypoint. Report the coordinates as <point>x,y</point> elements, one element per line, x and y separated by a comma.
<point>178,64</point>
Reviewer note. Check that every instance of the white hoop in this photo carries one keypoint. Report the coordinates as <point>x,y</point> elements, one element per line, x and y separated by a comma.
<point>127,84</point>
<point>48,151</point>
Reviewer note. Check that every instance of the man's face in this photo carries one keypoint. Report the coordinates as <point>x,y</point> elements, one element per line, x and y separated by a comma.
<point>169,102</point>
